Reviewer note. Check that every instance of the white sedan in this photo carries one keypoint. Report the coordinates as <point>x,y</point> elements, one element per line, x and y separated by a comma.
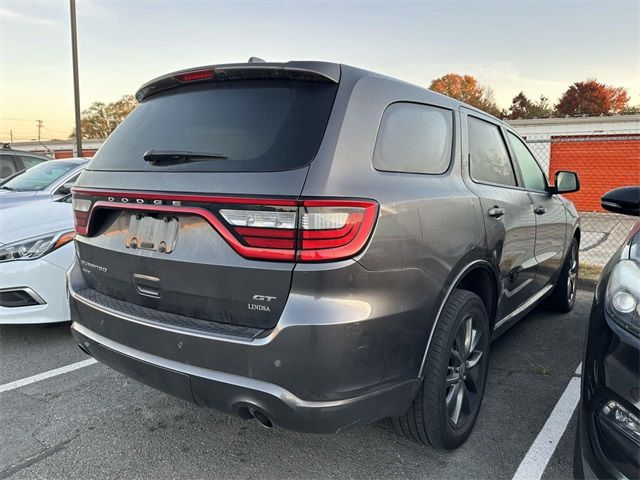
<point>36,250</point>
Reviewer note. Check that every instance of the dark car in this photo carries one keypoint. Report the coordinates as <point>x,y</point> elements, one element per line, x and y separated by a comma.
<point>315,246</point>
<point>46,181</point>
<point>14,161</point>
<point>608,434</point>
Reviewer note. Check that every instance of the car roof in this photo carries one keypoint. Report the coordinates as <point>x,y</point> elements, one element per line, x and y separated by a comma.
<point>11,151</point>
<point>317,70</point>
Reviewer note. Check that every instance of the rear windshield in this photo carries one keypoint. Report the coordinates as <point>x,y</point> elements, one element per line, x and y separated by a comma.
<point>257,125</point>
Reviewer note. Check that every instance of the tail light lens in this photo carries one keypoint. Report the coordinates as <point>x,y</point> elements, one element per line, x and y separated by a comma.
<point>284,230</point>
<point>81,212</point>
<point>334,230</point>
<point>314,231</point>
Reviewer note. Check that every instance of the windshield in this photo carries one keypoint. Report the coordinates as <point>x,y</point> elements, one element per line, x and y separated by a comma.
<point>251,125</point>
<point>39,177</point>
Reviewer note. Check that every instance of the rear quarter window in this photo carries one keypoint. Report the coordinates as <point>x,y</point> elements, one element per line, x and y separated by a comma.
<point>414,138</point>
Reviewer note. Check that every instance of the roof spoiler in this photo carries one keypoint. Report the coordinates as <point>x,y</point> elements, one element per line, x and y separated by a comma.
<point>305,71</point>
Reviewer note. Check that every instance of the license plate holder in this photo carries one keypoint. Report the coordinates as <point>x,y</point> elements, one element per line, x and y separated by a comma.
<point>151,233</point>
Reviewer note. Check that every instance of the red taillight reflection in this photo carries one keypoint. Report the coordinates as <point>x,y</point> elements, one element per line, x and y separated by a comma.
<point>195,75</point>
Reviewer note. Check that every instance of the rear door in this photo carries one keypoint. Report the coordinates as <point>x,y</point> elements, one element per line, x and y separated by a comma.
<point>549,213</point>
<point>205,237</point>
<point>508,213</point>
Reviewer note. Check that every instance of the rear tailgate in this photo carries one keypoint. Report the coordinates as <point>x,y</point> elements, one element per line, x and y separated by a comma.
<point>164,235</point>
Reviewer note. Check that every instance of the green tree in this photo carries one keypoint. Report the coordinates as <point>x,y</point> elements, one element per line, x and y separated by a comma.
<point>466,89</point>
<point>100,119</point>
<point>522,107</point>
<point>592,98</point>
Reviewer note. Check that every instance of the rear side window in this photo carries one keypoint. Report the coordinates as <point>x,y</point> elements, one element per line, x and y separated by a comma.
<point>488,154</point>
<point>414,138</point>
<point>30,161</point>
<point>532,174</point>
<point>7,166</point>
<point>257,125</point>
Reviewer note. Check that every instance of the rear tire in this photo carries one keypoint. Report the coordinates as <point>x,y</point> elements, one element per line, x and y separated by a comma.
<point>564,294</point>
<point>446,407</point>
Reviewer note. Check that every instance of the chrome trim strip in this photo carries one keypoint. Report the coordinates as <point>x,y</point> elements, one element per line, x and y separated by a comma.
<point>524,306</point>
<point>29,291</point>
<point>142,321</point>
<point>444,300</point>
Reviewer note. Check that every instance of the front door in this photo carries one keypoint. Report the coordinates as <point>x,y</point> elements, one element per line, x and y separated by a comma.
<point>549,213</point>
<point>508,212</point>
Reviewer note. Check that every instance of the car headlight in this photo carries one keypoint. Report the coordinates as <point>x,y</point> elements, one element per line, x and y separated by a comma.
<point>35,247</point>
<point>622,300</point>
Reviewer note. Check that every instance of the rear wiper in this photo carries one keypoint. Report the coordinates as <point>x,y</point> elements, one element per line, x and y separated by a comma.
<point>169,157</point>
<point>8,188</point>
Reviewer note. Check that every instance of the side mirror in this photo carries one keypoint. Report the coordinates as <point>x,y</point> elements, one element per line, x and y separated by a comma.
<point>65,189</point>
<point>625,200</point>
<point>566,182</point>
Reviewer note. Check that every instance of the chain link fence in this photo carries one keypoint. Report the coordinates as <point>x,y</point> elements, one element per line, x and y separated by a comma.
<point>603,161</point>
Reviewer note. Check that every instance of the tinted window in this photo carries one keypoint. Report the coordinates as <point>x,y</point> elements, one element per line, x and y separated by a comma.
<point>532,175</point>
<point>415,139</point>
<point>29,162</point>
<point>7,166</point>
<point>488,154</point>
<point>258,125</point>
<point>40,176</point>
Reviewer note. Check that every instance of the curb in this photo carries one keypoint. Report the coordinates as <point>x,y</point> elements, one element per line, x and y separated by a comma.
<point>587,283</point>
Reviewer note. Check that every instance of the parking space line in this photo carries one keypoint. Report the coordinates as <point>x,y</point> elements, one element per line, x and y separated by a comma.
<point>535,461</point>
<point>43,376</point>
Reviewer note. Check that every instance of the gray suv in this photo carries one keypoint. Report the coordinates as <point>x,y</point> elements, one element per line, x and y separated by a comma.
<point>315,246</point>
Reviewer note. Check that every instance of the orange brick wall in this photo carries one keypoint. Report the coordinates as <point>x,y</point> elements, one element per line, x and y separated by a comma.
<point>602,165</point>
<point>69,153</point>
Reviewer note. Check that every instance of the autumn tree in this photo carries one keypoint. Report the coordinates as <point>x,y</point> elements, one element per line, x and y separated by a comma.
<point>466,89</point>
<point>100,119</point>
<point>522,107</point>
<point>592,98</point>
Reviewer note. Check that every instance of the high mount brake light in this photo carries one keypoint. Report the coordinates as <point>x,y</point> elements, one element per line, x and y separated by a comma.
<point>195,75</point>
<point>261,229</point>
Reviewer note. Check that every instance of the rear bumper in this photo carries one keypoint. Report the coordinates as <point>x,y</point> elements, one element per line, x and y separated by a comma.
<point>236,395</point>
<point>330,363</point>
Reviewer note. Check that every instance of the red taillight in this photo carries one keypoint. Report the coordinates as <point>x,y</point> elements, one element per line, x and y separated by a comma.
<point>81,213</point>
<point>195,75</point>
<point>261,229</point>
<point>334,230</point>
<point>315,231</point>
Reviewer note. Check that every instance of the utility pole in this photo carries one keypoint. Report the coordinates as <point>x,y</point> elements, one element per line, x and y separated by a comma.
<point>11,135</point>
<point>39,123</point>
<point>76,80</point>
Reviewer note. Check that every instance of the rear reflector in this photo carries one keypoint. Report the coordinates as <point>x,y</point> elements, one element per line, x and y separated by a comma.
<point>261,229</point>
<point>195,75</point>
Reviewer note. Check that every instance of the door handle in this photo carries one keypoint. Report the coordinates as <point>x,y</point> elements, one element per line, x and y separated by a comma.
<point>496,212</point>
<point>539,210</point>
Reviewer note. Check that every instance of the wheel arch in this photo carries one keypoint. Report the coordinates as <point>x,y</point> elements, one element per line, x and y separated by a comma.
<point>478,276</point>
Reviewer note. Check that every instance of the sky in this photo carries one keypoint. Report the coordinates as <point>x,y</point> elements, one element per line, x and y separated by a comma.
<point>540,47</point>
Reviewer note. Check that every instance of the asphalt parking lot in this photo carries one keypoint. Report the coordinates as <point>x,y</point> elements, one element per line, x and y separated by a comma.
<point>95,423</point>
